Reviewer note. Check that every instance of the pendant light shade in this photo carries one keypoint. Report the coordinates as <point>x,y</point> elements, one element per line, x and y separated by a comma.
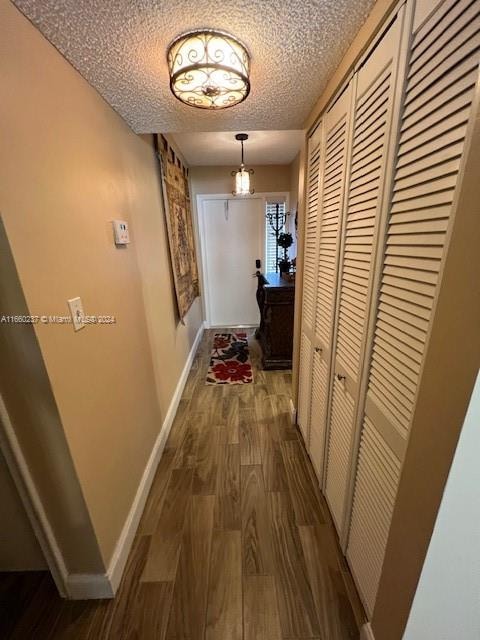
<point>242,182</point>
<point>242,175</point>
<point>209,69</point>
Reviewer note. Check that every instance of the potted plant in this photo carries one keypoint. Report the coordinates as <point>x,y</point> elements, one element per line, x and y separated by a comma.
<point>285,241</point>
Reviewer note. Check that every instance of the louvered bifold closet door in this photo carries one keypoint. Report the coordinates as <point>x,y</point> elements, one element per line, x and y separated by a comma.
<point>319,403</point>
<point>442,73</point>
<point>309,281</point>
<point>305,384</point>
<point>372,132</point>
<point>336,149</point>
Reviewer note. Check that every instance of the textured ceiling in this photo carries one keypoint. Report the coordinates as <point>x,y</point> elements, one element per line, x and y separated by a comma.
<point>119,46</point>
<point>221,148</point>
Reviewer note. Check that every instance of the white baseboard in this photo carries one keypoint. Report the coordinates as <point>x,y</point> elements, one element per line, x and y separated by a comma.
<point>123,546</point>
<point>227,326</point>
<point>85,586</point>
<point>95,586</point>
<point>366,632</point>
<point>293,412</point>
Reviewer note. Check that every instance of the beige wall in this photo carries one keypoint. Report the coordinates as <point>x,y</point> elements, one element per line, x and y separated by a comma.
<point>69,166</point>
<point>19,549</point>
<point>170,340</point>
<point>267,178</point>
<point>27,403</point>
<point>453,555</point>
<point>294,181</point>
<point>294,185</point>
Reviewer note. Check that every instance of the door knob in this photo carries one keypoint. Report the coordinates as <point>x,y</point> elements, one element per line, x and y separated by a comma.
<point>318,349</point>
<point>340,377</point>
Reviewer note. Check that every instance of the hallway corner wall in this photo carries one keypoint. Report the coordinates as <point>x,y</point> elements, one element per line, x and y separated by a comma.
<point>19,548</point>
<point>453,556</point>
<point>70,165</point>
<point>28,407</point>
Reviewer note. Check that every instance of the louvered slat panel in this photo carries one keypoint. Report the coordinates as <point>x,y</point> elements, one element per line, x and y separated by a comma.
<point>424,190</point>
<point>437,27</point>
<point>439,65</point>
<point>378,472</point>
<point>458,79</point>
<point>335,157</point>
<point>340,435</point>
<point>372,115</point>
<point>334,152</point>
<point>305,386</point>
<point>318,412</point>
<point>370,125</point>
<point>311,224</point>
<point>438,96</point>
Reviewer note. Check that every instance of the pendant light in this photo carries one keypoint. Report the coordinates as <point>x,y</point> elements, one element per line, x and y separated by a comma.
<point>209,69</point>
<point>242,175</point>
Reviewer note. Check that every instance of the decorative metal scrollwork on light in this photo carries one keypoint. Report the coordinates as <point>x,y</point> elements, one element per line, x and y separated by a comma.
<point>209,69</point>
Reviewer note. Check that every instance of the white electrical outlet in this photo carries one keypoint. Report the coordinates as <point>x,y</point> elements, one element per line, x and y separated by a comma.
<point>120,232</point>
<point>76,309</point>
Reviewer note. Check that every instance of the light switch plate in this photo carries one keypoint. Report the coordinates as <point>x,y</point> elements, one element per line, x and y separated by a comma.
<point>120,232</point>
<point>76,309</point>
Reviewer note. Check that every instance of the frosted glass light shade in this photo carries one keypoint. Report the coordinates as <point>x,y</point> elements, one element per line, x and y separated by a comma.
<point>242,182</point>
<point>209,69</point>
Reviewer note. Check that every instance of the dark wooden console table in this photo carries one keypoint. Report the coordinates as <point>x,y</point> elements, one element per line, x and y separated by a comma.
<point>276,298</point>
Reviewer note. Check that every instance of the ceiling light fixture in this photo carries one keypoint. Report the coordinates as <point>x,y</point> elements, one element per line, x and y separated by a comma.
<point>242,175</point>
<point>209,69</point>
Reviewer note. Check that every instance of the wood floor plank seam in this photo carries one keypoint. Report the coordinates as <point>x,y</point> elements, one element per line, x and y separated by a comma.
<point>162,561</point>
<point>224,610</point>
<point>304,494</point>
<point>228,492</point>
<point>236,541</point>
<point>208,580</point>
<point>256,531</point>
<point>295,599</point>
<point>188,610</point>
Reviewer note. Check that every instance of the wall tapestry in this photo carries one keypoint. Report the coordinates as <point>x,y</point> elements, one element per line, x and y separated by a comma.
<point>176,197</point>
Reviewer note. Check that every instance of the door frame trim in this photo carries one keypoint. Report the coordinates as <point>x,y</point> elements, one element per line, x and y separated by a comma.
<point>27,491</point>
<point>200,199</point>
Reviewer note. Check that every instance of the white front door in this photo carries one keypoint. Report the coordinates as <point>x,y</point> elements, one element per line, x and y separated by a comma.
<point>232,234</point>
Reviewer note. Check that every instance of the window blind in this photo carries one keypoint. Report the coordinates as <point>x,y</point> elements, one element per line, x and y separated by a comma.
<point>270,241</point>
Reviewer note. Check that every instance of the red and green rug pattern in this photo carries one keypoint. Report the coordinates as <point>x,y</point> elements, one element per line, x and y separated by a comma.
<point>230,360</point>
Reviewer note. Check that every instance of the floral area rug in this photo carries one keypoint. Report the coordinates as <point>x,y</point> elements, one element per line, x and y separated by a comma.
<point>230,360</point>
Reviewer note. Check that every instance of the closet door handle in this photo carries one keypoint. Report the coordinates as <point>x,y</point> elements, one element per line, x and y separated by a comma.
<point>340,377</point>
<point>318,349</point>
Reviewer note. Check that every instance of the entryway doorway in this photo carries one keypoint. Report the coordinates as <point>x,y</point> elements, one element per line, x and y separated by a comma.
<point>232,239</point>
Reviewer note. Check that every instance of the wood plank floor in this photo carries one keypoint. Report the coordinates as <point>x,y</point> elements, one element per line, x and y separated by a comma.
<point>235,542</point>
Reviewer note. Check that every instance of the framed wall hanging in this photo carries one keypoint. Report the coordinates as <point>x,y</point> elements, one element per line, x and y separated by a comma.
<point>178,214</point>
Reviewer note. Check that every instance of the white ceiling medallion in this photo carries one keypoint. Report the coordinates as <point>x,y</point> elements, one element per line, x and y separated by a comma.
<point>209,69</point>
